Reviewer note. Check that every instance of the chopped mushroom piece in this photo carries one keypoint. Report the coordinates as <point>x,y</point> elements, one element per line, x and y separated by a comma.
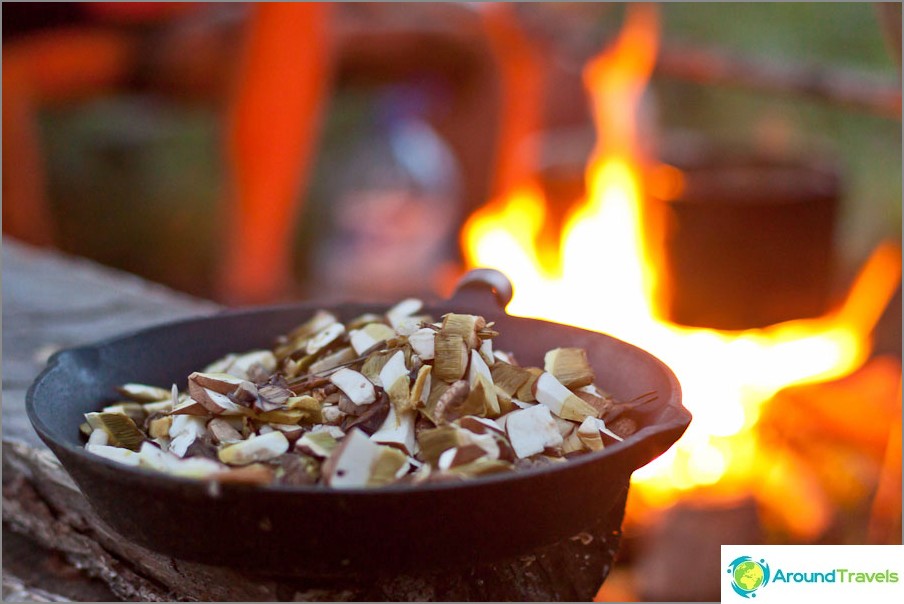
<point>398,431</point>
<point>117,454</point>
<point>324,338</point>
<point>349,464</point>
<point>369,336</point>
<point>403,310</point>
<point>589,434</point>
<point>532,430</point>
<point>143,393</point>
<point>259,448</point>
<point>423,343</point>
<point>355,386</point>
<point>560,400</point>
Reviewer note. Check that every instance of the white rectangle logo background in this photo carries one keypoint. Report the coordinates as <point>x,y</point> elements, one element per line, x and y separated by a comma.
<point>804,573</point>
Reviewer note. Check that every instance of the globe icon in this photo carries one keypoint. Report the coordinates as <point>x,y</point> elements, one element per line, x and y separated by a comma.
<point>748,575</point>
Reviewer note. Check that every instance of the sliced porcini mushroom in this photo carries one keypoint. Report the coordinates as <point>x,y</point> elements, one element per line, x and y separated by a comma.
<point>459,456</point>
<point>451,357</point>
<point>273,395</point>
<point>318,322</point>
<point>456,402</point>
<point>388,466</point>
<point>288,416</point>
<point>247,366</point>
<point>223,432</point>
<point>486,351</point>
<point>565,426</point>
<point>324,338</point>
<point>371,420</point>
<point>159,427</point>
<point>118,454</point>
<point>509,378</point>
<point>257,448</point>
<point>311,409</point>
<point>420,390</point>
<point>433,442</point>
<point>369,336</point>
<point>396,382</point>
<point>155,458</point>
<point>195,467</point>
<point>190,407</point>
<point>334,431</point>
<point>221,365</point>
<point>464,326</point>
<point>222,383</point>
<point>481,381</point>
<point>292,431</point>
<point>373,365</point>
<point>143,393</point>
<point>397,430</point>
<point>422,342</point>
<point>589,434</point>
<point>333,360</point>
<point>478,367</point>
<point>212,389</point>
<point>256,473</point>
<point>184,430</point>
<point>570,366</point>
<point>409,325</point>
<point>480,425</point>
<point>120,429</point>
<point>560,400</point>
<point>526,391</point>
<point>355,386</point>
<point>505,357</point>
<point>487,442</point>
<point>216,403</point>
<point>481,467</point>
<point>481,400</point>
<point>98,437</point>
<point>296,469</point>
<point>346,405</point>
<point>245,395</point>
<point>319,444</point>
<point>572,444</point>
<point>135,411</point>
<point>362,320</point>
<point>603,405</point>
<point>332,414</point>
<point>506,403</point>
<point>157,407</point>
<point>532,430</point>
<point>603,429</point>
<point>403,310</point>
<point>349,464</point>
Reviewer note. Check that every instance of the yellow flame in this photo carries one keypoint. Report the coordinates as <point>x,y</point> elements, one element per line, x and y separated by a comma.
<point>603,279</point>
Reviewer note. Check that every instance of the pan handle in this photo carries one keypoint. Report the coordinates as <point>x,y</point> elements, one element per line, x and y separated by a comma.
<point>485,289</point>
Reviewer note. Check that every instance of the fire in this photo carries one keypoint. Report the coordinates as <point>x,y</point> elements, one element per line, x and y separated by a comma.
<point>602,277</point>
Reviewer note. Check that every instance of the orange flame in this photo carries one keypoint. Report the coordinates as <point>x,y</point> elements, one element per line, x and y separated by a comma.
<point>603,278</point>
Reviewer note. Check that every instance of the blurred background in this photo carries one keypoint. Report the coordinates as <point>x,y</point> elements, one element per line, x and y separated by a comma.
<point>718,183</point>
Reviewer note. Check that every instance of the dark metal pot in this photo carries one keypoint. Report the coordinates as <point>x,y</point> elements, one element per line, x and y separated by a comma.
<point>325,532</point>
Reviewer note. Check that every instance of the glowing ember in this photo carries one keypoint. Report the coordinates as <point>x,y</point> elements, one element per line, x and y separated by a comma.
<point>603,279</point>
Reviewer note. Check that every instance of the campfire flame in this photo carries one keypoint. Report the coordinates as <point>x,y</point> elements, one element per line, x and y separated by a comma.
<point>602,277</point>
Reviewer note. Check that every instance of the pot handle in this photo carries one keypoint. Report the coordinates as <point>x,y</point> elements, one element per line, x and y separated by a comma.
<point>485,289</point>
